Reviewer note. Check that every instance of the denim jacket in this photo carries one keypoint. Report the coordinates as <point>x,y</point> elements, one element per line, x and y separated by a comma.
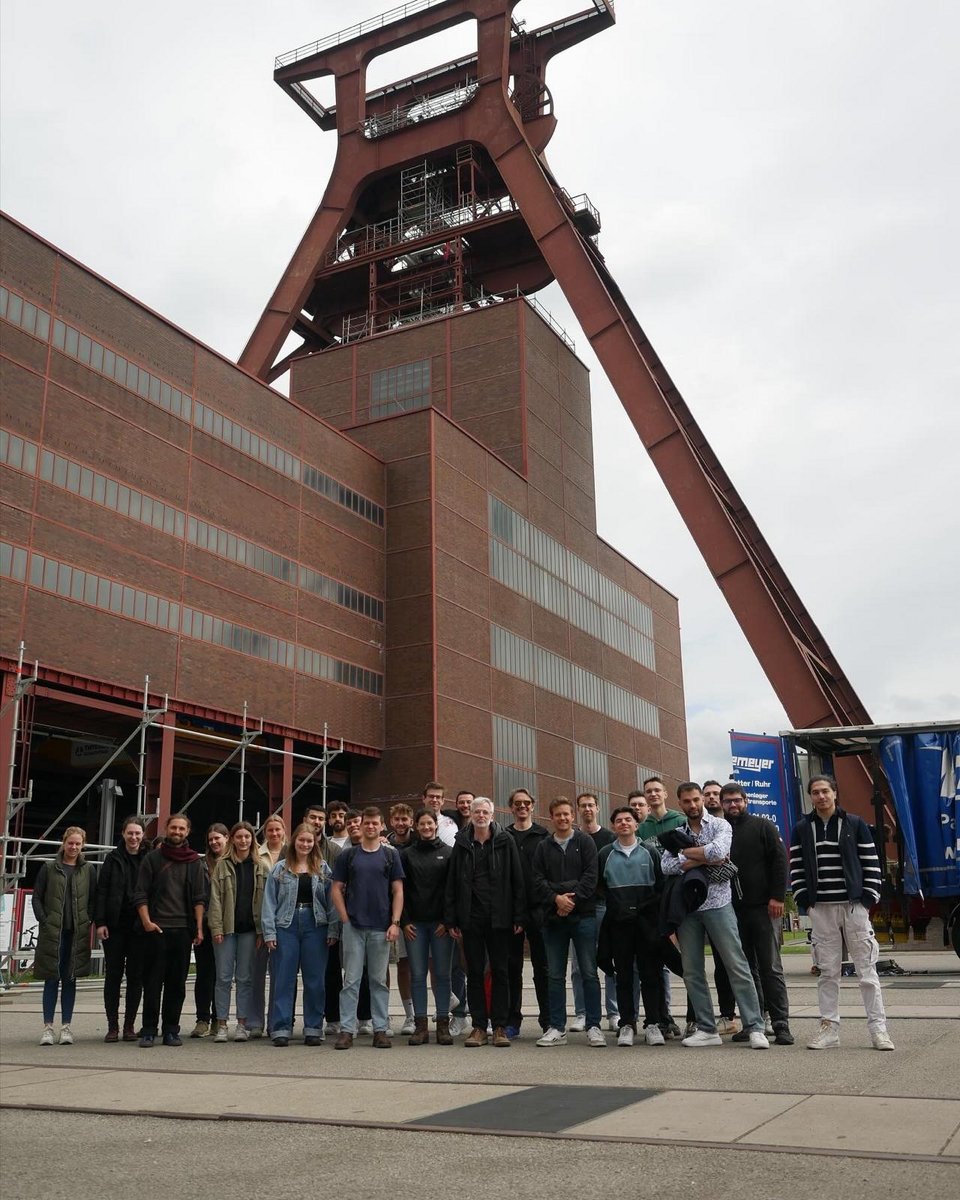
<point>280,902</point>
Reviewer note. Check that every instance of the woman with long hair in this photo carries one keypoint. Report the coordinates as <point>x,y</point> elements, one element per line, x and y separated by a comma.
<point>206,977</point>
<point>299,921</point>
<point>120,929</point>
<point>236,899</point>
<point>63,898</point>
<point>425,865</point>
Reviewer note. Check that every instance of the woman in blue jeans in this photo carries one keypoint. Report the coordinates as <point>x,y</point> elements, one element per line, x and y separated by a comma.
<point>425,864</point>
<point>299,922</point>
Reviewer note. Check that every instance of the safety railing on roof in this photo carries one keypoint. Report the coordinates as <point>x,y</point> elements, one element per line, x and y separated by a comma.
<point>381,124</point>
<point>580,203</point>
<point>359,30</point>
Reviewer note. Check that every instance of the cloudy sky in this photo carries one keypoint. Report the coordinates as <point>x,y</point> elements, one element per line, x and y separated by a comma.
<point>778,185</point>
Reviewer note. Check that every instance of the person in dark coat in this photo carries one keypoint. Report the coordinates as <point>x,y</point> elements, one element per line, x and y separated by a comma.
<point>63,899</point>
<point>120,930</point>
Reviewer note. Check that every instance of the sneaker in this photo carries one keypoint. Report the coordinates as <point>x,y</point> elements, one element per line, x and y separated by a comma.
<point>613,1022</point>
<point>827,1038</point>
<point>255,1033</point>
<point>758,1041</point>
<point>47,1038</point>
<point>332,1028</point>
<point>728,1025</point>
<point>388,1031</point>
<point>700,1037</point>
<point>241,1034</point>
<point>147,1041</point>
<point>457,1026</point>
<point>671,1031</point>
<point>172,1039</point>
<point>625,1036</point>
<point>553,1037</point>
<point>742,1036</point>
<point>781,1034</point>
<point>595,1036</point>
<point>408,1027</point>
<point>577,1025</point>
<point>653,1036</point>
<point>689,1029</point>
<point>879,1037</point>
<point>365,1029</point>
<point>768,1028</point>
<point>221,1032</point>
<point>201,1029</point>
<point>512,1032</point>
<point>66,1037</point>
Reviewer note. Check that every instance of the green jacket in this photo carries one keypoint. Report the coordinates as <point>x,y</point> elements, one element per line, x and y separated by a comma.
<point>223,895</point>
<point>49,894</point>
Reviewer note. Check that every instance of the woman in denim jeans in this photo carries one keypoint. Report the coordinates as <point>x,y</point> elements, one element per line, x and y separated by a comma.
<point>299,923</point>
<point>425,865</point>
<point>236,899</point>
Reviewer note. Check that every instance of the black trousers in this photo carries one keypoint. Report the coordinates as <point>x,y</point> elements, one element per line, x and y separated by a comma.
<point>637,944</point>
<point>123,954</point>
<point>205,980</point>
<point>538,960</point>
<point>480,943</point>
<point>333,982</point>
<point>761,945</point>
<point>166,963</point>
<point>670,958</point>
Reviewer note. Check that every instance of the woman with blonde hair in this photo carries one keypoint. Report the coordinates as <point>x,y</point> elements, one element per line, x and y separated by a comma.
<point>236,898</point>
<point>63,898</point>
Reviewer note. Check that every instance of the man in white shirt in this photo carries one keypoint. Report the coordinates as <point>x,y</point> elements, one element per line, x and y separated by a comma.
<point>433,801</point>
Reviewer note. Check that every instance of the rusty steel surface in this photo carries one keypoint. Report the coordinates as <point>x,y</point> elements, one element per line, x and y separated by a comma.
<point>547,244</point>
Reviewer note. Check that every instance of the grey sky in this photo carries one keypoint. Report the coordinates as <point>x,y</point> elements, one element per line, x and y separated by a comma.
<point>779,191</point>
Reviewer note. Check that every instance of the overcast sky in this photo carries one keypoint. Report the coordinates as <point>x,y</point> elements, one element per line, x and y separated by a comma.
<point>778,185</point>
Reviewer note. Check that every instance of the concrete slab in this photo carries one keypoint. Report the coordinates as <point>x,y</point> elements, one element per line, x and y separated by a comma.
<point>952,1148</point>
<point>894,1125</point>
<point>691,1116</point>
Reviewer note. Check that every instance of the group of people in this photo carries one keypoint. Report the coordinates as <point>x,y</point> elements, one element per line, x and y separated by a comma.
<point>450,903</point>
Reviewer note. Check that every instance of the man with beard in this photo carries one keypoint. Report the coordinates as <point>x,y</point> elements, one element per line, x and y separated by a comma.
<point>433,802</point>
<point>727,1022</point>
<point>336,824</point>
<point>170,898</point>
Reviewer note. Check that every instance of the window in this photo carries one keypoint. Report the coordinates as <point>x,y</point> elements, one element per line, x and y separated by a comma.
<point>592,775</point>
<point>400,389</point>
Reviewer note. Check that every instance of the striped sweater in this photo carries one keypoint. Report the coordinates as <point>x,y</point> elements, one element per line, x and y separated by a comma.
<point>834,862</point>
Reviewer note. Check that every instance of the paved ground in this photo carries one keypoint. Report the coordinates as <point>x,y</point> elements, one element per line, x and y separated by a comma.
<point>665,1121</point>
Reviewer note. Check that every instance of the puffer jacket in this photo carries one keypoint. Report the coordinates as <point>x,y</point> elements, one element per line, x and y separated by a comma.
<point>49,897</point>
<point>425,867</point>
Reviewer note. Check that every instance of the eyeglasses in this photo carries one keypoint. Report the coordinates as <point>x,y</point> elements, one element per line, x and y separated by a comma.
<point>523,804</point>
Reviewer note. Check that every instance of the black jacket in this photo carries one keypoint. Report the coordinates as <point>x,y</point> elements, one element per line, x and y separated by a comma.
<point>574,870</point>
<point>682,894</point>
<point>508,900</point>
<point>116,886</point>
<point>425,869</point>
<point>527,842</point>
<point>761,859</point>
<point>803,859</point>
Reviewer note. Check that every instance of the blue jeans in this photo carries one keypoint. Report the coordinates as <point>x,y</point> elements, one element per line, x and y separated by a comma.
<point>234,958</point>
<point>557,937</point>
<point>361,947</point>
<point>301,946</point>
<point>721,925</point>
<point>609,981</point>
<point>66,986</point>
<point>424,946</point>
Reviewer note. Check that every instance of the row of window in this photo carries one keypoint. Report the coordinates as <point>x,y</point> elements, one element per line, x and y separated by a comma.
<point>546,552</point>
<point>148,386</point>
<point>85,587</point>
<point>22,454</point>
<point>515,758</point>
<point>518,656</point>
<point>400,389</point>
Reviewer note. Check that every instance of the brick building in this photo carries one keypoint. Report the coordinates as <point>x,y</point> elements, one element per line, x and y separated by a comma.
<point>404,551</point>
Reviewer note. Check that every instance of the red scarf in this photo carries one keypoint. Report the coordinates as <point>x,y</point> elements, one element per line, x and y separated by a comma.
<point>180,854</point>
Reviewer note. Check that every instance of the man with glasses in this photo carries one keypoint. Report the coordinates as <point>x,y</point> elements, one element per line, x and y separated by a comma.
<point>528,834</point>
<point>433,802</point>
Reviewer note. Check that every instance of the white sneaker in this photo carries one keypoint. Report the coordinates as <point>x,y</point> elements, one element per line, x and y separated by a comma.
<point>758,1041</point>
<point>331,1029</point>
<point>241,1034</point>
<point>553,1037</point>
<point>221,1033</point>
<point>625,1036</point>
<point>881,1040</point>
<point>66,1037</point>
<point>653,1036</point>
<point>388,1031</point>
<point>728,1025</point>
<point>702,1038</point>
<point>613,1023</point>
<point>768,1028</point>
<point>47,1038</point>
<point>577,1025</point>
<point>365,1029</point>
<point>457,1026</point>
<point>409,1026</point>
<point>595,1036</point>
<point>827,1038</point>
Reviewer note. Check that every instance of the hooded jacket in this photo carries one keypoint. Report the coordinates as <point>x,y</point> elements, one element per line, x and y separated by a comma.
<point>508,902</point>
<point>426,865</point>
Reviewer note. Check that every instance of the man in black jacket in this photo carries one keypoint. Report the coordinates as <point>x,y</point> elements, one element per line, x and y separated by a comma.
<point>528,835</point>
<point>565,879</point>
<point>120,930</point>
<point>761,859</point>
<point>484,907</point>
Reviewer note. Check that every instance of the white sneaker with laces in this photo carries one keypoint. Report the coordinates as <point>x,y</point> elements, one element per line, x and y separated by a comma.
<point>702,1038</point>
<point>409,1026</point>
<point>457,1026</point>
<point>728,1025</point>
<point>613,1023</point>
<point>66,1037</point>
<point>625,1036</point>
<point>768,1028</point>
<point>653,1036</point>
<point>827,1038</point>
<point>881,1040</point>
<point>553,1037</point>
<point>331,1029</point>
<point>241,1034</point>
<point>221,1033</point>
<point>595,1036</point>
<point>758,1041</point>
<point>47,1038</point>
<point>365,1029</point>
<point>577,1025</point>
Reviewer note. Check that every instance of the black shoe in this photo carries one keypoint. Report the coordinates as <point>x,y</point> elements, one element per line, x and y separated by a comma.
<point>783,1035</point>
<point>313,1041</point>
<point>147,1041</point>
<point>742,1035</point>
<point>172,1038</point>
<point>281,1041</point>
<point>671,1030</point>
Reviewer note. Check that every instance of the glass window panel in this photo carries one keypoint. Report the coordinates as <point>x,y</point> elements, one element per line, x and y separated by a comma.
<point>28,318</point>
<point>46,466</point>
<point>155,386</point>
<point>127,604</point>
<point>120,368</point>
<point>72,341</point>
<point>83,348</point>
<point>140,605</point>
<point>6,559</point>
<point>73,477</point>
<point>4,299</point>
<point>60,471</point>
<point>179,522</point>
<point>99,489</point>
<point>123,499</point>
<point>77,584</point>
<point>133,376</point>
<point>19,568</point>
<point>59,334</point>
<point>169,516</point>
<point>109,362</point>
<point>90,589</point>
<point>103,593</point>
<point>141,507</point>
<point>14,454</point>
<point>50,569</point>
<point>163,614</point>
<point>151,611</point>
<point>86,483</point>
<point>116,597</point>
<point>37,563</point>
<point>111,498</point>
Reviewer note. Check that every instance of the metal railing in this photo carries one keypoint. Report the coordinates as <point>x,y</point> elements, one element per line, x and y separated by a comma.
<point>359,30</point>
<point>417,111</point>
